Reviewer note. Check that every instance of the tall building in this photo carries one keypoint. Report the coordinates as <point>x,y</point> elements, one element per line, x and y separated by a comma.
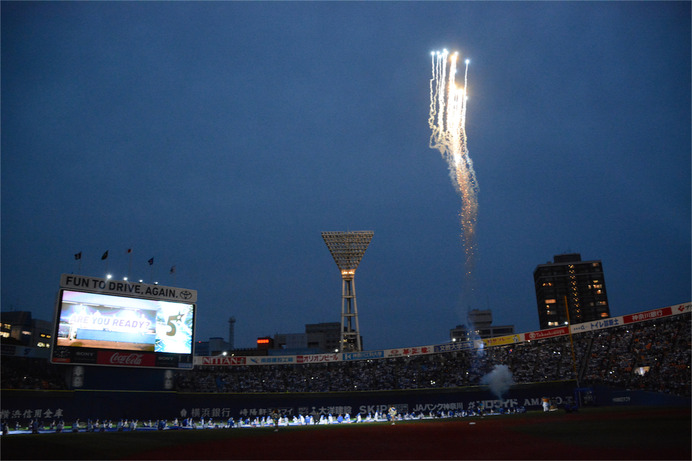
<point>318,338</point>
<point>18,327</point>
<point>325,336</point>
<point>569,290</point>
<point>481,327</point>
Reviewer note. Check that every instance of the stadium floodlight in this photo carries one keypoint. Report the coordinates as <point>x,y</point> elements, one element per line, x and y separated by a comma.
<point>347,249</point>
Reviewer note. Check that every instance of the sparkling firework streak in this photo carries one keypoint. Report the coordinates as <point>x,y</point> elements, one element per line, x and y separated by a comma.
<point>447,121</point>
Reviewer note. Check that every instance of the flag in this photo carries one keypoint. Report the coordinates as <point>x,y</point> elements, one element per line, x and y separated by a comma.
<point>105,255</point>
<point>151,262</point>
<point>78,255</point>
<point>129,250</point>
<point>172,269</point>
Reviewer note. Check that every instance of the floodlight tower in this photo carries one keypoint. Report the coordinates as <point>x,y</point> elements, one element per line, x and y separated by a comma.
<point>347,249</point>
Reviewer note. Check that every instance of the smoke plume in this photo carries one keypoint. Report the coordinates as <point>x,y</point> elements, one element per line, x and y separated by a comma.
<point>499,380</point>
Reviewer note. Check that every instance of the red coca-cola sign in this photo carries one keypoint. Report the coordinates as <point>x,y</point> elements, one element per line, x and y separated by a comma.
<point>126,359</point>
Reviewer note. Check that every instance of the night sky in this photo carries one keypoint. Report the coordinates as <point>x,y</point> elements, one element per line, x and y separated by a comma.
<point>222,138</point>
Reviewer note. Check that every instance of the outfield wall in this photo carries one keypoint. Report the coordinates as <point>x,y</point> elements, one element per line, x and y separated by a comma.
<point>22,405</point>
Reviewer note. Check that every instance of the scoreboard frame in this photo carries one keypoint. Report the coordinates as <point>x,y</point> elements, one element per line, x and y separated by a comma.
<point>116,323</point>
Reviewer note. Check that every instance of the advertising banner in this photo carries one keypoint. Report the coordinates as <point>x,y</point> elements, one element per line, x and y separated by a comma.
<point>127,288</point>
<point>502,340</point>
<point>541,334</point>
<point>648,315</point>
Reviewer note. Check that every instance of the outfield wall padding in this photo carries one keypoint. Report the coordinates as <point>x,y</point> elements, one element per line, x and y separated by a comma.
<point>145,405</point>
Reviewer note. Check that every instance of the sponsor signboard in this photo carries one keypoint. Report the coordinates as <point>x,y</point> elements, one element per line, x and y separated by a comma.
<point>502,340</point>
<point>648,315</point>
<point>540,334</point>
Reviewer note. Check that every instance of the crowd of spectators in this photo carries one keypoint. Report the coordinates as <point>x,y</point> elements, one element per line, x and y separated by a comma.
<point>30,373</point>
<point>652,355</point>
<point>535,361</point>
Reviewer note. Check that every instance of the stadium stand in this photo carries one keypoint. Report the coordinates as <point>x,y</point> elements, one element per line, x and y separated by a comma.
<point>652,355</point>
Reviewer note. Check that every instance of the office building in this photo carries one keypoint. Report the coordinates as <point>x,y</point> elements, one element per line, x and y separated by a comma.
<point>569,290</point>
<point>481,327</point>
<point>19,327</point>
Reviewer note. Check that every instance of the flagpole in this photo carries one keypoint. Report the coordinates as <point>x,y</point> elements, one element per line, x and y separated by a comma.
<point>129,264</point>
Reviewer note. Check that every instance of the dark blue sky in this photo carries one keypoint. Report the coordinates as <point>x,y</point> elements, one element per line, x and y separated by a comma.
<point>222,138</point>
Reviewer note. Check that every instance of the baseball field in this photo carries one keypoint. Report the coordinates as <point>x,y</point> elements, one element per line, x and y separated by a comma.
<point>591,433</point>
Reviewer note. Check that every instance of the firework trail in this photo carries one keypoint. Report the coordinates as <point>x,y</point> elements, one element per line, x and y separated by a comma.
<point>447,121</point>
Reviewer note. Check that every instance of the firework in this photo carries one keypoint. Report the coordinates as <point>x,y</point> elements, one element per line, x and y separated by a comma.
<point>447,121</point>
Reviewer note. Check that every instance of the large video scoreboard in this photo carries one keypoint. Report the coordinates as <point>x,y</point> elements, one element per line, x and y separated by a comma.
<point>120,323</point>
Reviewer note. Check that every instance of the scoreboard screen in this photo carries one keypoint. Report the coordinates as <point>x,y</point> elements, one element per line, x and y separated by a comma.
<point>109,328</point>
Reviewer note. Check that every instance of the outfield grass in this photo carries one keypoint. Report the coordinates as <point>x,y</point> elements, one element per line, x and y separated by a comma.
<point>598,433</point>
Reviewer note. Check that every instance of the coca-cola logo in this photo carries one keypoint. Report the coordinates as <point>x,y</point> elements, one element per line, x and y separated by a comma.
<point>126,359</point>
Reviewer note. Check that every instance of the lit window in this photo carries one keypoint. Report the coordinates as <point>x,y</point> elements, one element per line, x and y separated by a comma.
<point>604,314</point>
<point>550,301</point>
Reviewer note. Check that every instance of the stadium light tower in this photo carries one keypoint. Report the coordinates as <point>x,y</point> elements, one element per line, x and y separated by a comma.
<point>347,249</point>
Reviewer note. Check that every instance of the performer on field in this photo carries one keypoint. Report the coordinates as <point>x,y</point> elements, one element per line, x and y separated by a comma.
<point>275,418</point>
<point>392,414</point>
<point>546,403</point>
